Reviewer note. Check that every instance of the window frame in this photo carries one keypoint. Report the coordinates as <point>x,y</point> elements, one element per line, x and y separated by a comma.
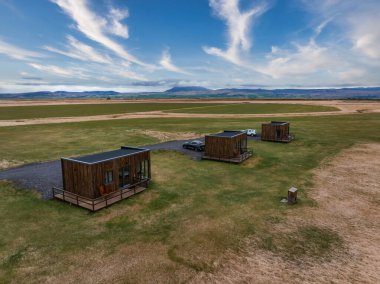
<point>108,177</point>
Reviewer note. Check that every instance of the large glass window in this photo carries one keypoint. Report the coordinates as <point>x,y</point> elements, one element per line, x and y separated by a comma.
<point>143,169</point>
<point>124,176</point>
<point>108,177</point>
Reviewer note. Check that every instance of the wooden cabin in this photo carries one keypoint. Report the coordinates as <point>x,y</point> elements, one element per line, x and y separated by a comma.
<point>228,146</point>
<point>98,180</point>
<point>277,131</point>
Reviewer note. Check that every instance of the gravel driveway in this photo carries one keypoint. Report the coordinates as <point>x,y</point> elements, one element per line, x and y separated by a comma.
<point>41,177</point>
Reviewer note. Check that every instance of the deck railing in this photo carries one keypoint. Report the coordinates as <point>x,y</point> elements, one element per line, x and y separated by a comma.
<point>245,153</point>
<point>94,204</point>
<point>290,137</point>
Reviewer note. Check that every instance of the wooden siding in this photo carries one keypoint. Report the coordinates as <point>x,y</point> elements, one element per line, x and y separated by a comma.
<point>228,147</point>
<point>77,178</point>
<point>275,132</point>
<point>88,179</point>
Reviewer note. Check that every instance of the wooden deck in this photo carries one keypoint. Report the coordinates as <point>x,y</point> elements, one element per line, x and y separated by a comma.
<point>288,139</point>
<point>235,160</point>
<point>98,203</point>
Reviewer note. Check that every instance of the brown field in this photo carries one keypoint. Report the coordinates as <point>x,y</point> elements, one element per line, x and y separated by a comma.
<point>347,192</point>
<point>345,107</point>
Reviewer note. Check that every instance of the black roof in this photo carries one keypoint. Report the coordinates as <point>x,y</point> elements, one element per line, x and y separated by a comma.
<point>105,156</point>
<point>279,122</point>
<point>227,133</point>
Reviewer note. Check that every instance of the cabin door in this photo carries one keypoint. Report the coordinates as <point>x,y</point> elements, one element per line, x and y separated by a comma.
<point>278,133</point>
<point>124,176</point>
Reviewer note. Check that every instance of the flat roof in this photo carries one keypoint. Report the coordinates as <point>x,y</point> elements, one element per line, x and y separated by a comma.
<point>279,122</point>
<point>227,133</point>
<point>106,156</point>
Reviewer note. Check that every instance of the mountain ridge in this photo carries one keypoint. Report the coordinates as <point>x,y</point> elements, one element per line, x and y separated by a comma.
<point>197,92</point>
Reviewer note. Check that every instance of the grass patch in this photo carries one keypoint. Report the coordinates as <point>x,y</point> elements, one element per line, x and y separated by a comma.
<point>164,199</point>
<point>308,241</point>
<point>25,112</point>
<point>191,214</point>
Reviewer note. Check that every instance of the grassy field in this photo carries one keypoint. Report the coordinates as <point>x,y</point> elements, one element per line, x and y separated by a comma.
<point>256,108</point>
<point>25,112</point>
<point>193,212</point>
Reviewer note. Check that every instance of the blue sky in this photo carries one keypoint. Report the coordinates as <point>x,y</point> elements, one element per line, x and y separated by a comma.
<point>151,45</point>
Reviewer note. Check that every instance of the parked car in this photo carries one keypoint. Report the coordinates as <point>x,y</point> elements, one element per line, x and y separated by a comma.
<point>195,145</point>
<point>250,132</point>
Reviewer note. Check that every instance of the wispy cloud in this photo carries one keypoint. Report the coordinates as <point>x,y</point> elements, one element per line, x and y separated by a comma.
<point>15,52</point>
<point>359,23</point>
<point>166,63</point>
<point>306,59</point>
<point>64,72</point>
<point>116,27</point>
<point>238,27</point>
<point>81,51</point>
<point>347,57</point>
<point>124,72</point>
<point>96,27</point>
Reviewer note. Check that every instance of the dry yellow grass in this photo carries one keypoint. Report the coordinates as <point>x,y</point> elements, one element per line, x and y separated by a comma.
<point>164,135</point>
<point>347,193</point>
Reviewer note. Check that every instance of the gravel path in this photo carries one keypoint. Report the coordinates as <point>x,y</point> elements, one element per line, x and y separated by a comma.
<point>41,177</point>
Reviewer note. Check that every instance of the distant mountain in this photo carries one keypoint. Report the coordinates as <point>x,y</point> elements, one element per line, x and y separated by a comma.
<point>60,95</point>
<point>187,89</point>
<point>195,92</point>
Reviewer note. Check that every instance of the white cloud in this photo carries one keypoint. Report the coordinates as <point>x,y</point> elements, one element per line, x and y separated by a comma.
<point>351,74</point>
<point>15,52</point>
<point>238,27</point>
<point>124,72</point>
<point>358,20</point>
<point>19,87</point>
<point>332,60</point>
<point>321,26</point>
<point>63,72</point>
<point>304,60</point>
<point>81,51</point>
<point>365,34</point>
<point>96,27</point>
<point>166,63</point>
<point>116,27</point>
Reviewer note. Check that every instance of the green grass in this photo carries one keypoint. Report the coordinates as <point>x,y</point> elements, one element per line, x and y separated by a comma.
<point>72,110</point>
<point>248,108</point>
<point>24,112</point>
<point>309,241</point>
<point>191,214</point>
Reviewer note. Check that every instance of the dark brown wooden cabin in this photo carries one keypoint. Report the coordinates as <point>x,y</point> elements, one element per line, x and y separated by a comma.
<point>98,180</point>
<point>228,146</point>
<point>277,131</point>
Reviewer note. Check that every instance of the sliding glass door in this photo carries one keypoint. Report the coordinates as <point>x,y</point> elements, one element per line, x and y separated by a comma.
<point>143,172</point>
<point>124,176</point>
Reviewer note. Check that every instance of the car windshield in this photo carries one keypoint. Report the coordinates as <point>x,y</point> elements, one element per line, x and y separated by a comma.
<point>196,142</point>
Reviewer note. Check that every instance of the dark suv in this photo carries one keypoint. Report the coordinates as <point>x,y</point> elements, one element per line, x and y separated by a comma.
<point>195,145</point>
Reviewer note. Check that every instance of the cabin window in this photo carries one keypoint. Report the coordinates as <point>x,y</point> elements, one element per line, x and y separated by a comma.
<point>108,177</point>
<point>124,176</point>
<point>143,169</point>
